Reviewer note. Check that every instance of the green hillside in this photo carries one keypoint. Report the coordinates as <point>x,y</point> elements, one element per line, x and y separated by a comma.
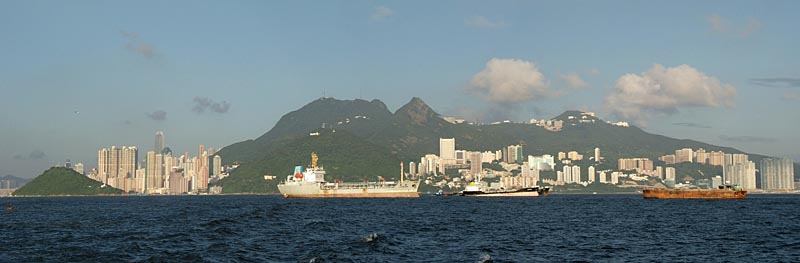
<point>343,155</point>
<point>63,181</point>
<point>414,130</point>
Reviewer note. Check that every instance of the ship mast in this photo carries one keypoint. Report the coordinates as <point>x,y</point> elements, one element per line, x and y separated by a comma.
<point>313,160</point>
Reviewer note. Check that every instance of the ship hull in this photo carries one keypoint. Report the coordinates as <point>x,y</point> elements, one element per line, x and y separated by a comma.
<point>527,192</point>
<point>693,194</point>
<point>369,191</point>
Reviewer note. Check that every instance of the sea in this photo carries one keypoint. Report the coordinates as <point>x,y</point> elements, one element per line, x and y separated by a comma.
<point>268,228</point>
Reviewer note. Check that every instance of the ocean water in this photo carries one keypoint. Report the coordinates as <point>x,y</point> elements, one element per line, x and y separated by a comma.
<point>557,228</point>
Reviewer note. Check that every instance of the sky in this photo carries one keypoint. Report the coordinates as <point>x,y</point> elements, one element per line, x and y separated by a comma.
<point>77,76</point>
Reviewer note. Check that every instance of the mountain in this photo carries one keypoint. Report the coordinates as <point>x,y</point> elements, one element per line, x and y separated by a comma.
<point>11,182</point>
<point>360,117</point>
<point>64,181</point>
<point>414,130</point>
<point>344,155</point>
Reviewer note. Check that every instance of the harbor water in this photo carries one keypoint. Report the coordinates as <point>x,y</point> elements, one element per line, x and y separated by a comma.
<point>556,228</point>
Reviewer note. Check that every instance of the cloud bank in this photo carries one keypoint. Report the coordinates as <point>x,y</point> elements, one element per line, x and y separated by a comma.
<point>664,90</point>
<point>509,81</point>
<point>203,104</point>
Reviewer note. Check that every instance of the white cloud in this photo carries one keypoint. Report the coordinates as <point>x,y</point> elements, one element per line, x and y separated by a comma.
<point>574,80</point>
<point>381,12</point>
<point>483,22</point>
<point>663,90</point>
<point>594,71</point>
<point>721,25</point>
<point>509,81</point>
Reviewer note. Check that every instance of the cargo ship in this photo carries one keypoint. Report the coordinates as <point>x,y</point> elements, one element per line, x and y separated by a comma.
<point>310,183</point>
<point>723,192</point>
<point>474,189</point>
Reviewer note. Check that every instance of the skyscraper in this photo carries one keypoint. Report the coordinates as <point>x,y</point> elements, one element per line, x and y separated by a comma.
<point>597,154</point>
<point>447,150</point>
<point>475,163</point>
<point>217,167</point>
<point>160,143</point>
<point>777,174</point>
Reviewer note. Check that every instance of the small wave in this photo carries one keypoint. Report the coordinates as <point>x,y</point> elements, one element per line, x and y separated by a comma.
<point>485,258</point>
<point>217,222</point>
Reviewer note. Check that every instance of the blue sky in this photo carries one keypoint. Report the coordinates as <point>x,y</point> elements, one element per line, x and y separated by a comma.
<point>131,68</point>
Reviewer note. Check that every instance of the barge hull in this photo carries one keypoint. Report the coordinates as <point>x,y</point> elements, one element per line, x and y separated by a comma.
<point>693,194</point>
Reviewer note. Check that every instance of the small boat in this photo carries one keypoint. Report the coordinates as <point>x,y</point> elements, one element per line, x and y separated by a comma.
<point>439,193</point>
<point>9,207</point>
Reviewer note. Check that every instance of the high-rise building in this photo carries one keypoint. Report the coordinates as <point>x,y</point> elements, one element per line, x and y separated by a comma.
<point>716,158</point>
<point>513,154</point>
<point>597,154</point>
<point>591,174</point>
<point>412,168</point>
<point>575,156</point>
<point>701,156</point>
<point>741,173</point>
<point>217,167</point>
<point>78,167</point>
<point>684,155</point>
<point>155,171</point>
<point>475,163</point>
<point>545,162</point>
<point>777,174</point>
<point>576,174</point>
<point>447,150</point>
<point>641,165</point>
<point>670,173</point>
<point>602,177</point>
<point>659,172</point>
<point>562,156</point>
<point>160,142</point>
<point>461,157</point>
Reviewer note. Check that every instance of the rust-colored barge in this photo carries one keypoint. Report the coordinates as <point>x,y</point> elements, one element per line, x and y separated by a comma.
<point>723,193</point>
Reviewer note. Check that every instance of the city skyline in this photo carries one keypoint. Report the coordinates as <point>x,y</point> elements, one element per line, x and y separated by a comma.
<point>211,76</point>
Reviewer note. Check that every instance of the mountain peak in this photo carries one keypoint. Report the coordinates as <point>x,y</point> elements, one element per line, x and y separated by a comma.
<point>417,112</point>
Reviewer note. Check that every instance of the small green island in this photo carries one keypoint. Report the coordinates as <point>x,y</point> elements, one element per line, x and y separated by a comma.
<point>60,181</point>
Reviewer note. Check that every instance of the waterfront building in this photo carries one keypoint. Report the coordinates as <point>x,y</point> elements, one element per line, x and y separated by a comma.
<point>741,173</point>
<point>670,173</point>
<point>777,174</point>
<point>591,174</point>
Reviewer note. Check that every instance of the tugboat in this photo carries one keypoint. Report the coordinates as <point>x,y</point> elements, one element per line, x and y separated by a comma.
<point>474,189</point>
